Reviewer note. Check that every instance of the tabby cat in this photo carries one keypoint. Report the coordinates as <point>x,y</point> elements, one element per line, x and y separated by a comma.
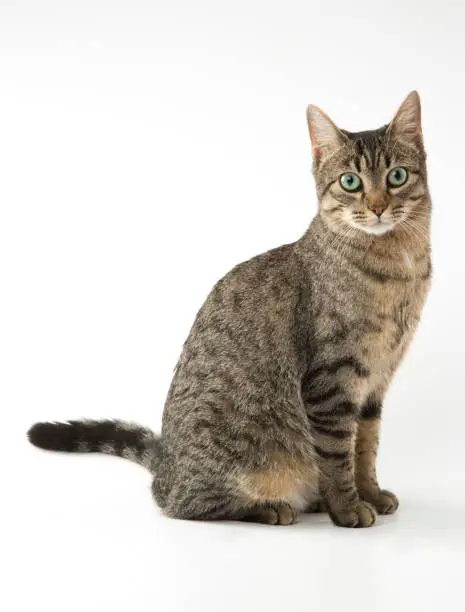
<point>276,400</point>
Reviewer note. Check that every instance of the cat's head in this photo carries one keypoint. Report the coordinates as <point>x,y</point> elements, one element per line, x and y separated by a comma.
<point>370,181</point>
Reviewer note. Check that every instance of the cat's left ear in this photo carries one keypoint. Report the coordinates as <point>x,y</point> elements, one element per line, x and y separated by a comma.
<point>406,124</point>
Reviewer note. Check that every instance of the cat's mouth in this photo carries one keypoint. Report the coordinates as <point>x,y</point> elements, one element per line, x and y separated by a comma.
<point>379,227</point>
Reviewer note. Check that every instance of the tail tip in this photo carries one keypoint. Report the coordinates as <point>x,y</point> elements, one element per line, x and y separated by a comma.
<point>44,435</point>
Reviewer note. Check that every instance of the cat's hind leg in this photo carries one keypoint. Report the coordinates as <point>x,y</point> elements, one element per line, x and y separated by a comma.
<point>218,507</point>
<point>272,495</point>
<point>280,490</point>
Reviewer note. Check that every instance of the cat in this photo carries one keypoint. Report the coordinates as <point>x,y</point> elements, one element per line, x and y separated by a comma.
<point>275,404</point>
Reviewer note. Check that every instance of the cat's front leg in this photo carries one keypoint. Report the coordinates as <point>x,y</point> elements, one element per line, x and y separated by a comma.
<point>366,451</point>
<point>335,433</point>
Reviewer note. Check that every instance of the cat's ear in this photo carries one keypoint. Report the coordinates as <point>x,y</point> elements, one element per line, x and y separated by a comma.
<point>326,137</point>
<point>406,124</point>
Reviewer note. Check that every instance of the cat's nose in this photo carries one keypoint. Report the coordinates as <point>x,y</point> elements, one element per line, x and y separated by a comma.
<point>377,207</point>
<point>378,210</point>
<point>376,202</point>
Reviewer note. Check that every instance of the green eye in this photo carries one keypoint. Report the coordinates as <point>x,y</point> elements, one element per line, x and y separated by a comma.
<point>350,181</point>
<point>397,177</point>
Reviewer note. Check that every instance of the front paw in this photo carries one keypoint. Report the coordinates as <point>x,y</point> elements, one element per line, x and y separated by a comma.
<point>384,501</point>
<point>361,515</point>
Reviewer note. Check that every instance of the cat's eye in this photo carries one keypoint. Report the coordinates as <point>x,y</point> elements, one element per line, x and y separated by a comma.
<point>350,181</point>
<point>397,177</point>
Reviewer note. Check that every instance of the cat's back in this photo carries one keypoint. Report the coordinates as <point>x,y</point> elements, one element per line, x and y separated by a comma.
<point>245,332</point>
<point>253,302</point>
<point>259,282</point>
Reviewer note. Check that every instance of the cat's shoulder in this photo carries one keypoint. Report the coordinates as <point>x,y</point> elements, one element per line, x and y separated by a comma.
<point>271,266</point>
<point>270,277</point>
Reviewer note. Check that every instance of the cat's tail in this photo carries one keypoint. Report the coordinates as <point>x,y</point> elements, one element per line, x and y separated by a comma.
<point>118,438</point>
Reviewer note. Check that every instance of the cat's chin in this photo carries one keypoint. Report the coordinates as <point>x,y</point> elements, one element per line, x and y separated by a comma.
<point>378,229</point>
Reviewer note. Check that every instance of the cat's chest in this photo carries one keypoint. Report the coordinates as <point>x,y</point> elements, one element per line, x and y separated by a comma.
<point>373,318</point>
<point>396,308</point>
<point>396,311</point>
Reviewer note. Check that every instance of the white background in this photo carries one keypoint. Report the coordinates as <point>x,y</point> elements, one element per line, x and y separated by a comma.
<point>145,149</point>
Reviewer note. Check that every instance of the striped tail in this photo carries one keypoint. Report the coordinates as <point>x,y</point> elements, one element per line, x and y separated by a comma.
<point>118,438</point>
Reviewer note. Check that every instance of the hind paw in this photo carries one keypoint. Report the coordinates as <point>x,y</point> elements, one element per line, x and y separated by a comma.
<point>272,514</point>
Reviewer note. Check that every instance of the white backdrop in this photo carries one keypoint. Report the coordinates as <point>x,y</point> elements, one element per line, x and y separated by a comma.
<point>145,149</point>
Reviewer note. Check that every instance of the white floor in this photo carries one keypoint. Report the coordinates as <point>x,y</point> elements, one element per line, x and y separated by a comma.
<point>85,535</point>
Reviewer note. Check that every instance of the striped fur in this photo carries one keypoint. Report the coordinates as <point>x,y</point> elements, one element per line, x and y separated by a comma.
<point>118,438</point>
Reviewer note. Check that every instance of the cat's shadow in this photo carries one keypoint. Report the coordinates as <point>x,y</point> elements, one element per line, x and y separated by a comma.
<point>421,516</point>
<point>416,518</point>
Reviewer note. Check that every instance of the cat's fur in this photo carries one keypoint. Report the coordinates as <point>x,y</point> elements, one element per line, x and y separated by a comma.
<point>276,400</point>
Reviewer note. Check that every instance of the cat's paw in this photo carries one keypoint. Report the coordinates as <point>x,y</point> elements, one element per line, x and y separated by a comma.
<point>361,515</point>
<point>279,514</point>
<point>384,501</point>
<point>272,514</point>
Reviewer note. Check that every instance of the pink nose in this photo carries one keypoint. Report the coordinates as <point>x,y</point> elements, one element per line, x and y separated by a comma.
<point>377,202</point>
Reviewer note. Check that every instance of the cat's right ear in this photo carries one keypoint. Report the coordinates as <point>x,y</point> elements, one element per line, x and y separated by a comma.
<point>326,137</point>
